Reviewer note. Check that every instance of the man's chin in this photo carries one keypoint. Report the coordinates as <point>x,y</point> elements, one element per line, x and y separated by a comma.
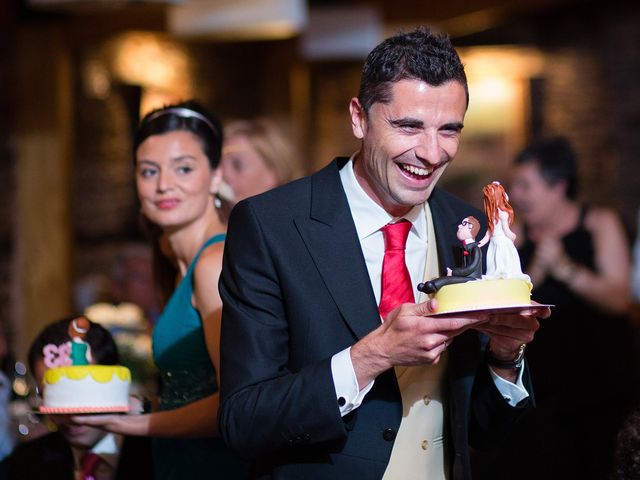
<point>81,436</point>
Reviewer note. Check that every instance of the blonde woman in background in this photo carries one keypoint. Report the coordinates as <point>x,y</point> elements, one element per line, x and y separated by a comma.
<point>257,157</point>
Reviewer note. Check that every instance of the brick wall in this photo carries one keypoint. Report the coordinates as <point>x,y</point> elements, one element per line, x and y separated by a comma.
<point>621,60</point>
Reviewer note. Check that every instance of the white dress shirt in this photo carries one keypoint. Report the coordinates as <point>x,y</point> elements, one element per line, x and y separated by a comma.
<point>108,448</point>
<point>369,218</point>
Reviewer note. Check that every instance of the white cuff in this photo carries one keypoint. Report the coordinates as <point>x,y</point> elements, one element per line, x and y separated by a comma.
<point>513,393</point>
<point>348,395</point>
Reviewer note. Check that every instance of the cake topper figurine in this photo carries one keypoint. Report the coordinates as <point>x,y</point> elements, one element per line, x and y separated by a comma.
<point>56,355</point>
<point>74,352</point>
<point>472,260</point>
<point>503,260</point>
<point>78,329</point>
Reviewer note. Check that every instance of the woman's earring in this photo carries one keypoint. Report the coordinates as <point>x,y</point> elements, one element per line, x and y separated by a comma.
<point>217,202</point>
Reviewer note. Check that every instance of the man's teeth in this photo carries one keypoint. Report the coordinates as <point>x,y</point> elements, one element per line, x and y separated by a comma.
<point>417,170</point>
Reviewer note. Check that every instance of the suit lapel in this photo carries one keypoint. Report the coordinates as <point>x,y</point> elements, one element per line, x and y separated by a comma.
<point>332,240</point>
<point>445,225</point>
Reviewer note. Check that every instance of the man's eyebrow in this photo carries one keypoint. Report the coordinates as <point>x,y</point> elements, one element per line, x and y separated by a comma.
<point>452,126</point>
<point>180,158</point>
<point>407,122</point>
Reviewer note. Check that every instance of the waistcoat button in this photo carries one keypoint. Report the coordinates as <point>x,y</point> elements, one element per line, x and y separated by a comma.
<point>389,434</point>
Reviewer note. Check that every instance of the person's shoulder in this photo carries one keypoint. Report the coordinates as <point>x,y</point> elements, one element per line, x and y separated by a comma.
<point>210,260</point>
<point>299,187</point>
<point>293,189</point>
<point>32,453</point>
<point>291,199</point>
<point>48,441</point>
<point>602,219</point>
<point>212,252</point>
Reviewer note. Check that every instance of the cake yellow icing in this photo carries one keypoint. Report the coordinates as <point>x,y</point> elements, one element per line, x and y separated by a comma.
<point>86,388</point>
<point>483,294</point>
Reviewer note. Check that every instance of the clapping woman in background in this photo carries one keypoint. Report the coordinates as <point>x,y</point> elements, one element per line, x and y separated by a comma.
<point>582,361</point>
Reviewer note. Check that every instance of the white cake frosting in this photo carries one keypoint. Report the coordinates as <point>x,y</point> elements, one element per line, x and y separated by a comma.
<point>86,388</point>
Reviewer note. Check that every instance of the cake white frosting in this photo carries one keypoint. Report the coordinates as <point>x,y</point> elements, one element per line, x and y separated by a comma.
<point>86,388</point>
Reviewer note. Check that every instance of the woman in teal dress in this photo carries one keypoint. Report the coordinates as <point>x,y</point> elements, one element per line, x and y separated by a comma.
<point>177,154</point>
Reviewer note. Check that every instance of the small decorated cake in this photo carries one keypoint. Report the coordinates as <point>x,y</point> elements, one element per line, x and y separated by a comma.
<point>483,294</point>
<point>72,385</point>
<point>466,288</point>
<point>86,388</point>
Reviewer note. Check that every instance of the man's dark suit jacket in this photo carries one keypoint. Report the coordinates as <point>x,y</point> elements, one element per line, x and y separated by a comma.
<point>49,457</point>
<point>295,291</point>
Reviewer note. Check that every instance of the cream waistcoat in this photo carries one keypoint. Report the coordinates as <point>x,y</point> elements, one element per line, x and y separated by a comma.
<point>419,451</point>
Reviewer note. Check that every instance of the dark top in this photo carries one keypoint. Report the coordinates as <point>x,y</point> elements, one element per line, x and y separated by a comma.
<point>595,346</point>
<point>179,347</point>
<point>583,368</point>
<point>50,457</point>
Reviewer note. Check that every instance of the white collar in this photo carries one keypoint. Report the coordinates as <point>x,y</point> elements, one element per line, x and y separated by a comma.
<point>368,216</point>
<point>108,447</point>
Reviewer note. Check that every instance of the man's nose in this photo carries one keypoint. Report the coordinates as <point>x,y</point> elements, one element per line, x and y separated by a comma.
<point>428,148</point>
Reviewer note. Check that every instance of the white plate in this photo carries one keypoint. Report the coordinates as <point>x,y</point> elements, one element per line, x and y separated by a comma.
<point>502,310</point>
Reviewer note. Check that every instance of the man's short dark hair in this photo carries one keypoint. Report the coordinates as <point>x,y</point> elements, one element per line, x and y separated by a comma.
<point>420,55</point>
<point>103,348</point>
<point>556,161</point>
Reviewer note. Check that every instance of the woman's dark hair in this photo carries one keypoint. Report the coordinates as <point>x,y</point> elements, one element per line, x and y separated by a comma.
<point>189,116</point>
<point>420,55</point>
<point>556,161</point>
<point>103,348</point>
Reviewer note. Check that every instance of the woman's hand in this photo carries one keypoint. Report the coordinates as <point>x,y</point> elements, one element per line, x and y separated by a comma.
<point>548,254</point>
<point>115,423</point>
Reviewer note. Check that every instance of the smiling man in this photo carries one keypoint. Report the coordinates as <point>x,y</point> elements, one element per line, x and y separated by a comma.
<point>332,365</point>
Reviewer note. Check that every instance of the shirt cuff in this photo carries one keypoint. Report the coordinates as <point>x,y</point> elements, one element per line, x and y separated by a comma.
<point>513,393</point>
<point>348,395</point>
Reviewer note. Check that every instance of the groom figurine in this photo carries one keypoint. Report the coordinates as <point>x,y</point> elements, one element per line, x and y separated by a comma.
<point>472,268</point>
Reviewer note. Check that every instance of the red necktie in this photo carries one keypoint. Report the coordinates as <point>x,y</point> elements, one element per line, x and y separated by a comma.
<point>89,464</point>
<point>396,282</point>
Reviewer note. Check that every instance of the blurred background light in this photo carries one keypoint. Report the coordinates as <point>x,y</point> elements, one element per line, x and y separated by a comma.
<point>238,20</point>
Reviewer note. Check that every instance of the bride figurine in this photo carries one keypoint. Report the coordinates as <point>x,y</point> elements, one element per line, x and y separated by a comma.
<point>503,260</point>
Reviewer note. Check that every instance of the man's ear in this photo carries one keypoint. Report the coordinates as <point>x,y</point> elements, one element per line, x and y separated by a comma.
<point>358,118</point>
